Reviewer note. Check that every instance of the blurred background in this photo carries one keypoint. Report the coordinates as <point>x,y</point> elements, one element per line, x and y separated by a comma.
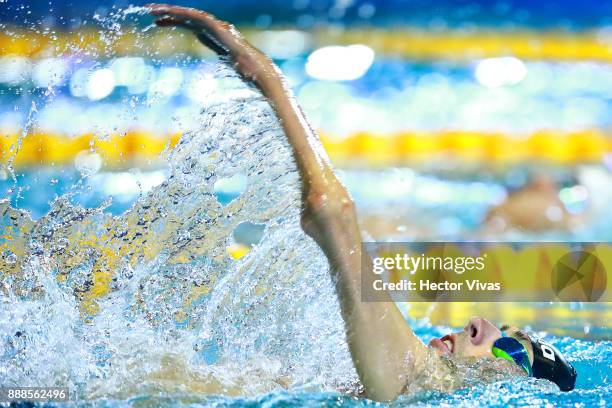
<point>447,120</point>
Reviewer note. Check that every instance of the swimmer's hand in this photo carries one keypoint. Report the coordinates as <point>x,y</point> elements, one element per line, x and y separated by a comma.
<point>221,37</point>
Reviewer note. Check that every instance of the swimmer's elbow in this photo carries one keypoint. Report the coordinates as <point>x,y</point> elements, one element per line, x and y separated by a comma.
<point>330,202</point>
<point>327,207</point>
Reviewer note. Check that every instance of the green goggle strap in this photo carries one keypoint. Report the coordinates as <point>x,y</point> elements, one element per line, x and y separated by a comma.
<point>511,349</point>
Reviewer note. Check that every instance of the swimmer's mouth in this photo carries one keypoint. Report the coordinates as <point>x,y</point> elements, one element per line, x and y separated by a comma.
<point>444,345</point>
<point>449,342</point>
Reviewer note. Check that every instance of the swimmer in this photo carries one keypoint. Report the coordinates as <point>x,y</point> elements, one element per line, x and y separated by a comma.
<point>535,207</point>
<point>388,356</point>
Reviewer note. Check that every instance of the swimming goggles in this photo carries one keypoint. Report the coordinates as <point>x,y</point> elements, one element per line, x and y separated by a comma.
<point>513,350</point>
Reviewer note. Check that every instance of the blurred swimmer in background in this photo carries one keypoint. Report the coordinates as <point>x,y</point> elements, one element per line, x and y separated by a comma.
<point>389,358</point>
<point>534,207</point>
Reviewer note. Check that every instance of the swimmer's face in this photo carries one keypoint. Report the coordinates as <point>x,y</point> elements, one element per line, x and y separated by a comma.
<point>476,340</point>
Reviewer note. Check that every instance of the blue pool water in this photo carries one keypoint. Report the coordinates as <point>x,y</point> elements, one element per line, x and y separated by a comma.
<point>428,95</point>
<point>593,388</point>
<point>108,295</point>
<point>449,207</point>
<point>590,357</point>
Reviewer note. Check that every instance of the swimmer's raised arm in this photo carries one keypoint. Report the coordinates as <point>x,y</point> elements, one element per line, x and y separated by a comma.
<point>385,351</point>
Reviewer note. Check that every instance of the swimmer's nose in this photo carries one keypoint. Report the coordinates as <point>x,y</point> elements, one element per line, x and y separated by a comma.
<point>476,329</point>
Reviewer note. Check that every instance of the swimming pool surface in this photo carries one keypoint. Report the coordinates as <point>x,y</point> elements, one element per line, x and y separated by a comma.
<point>117,282</point>
<point>590,351</point>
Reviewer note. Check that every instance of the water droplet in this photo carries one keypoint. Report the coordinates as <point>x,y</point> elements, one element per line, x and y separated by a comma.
<point>9,258</point>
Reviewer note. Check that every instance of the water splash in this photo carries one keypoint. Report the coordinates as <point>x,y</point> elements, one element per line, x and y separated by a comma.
<point>151,300</point>
<point>131,306</point>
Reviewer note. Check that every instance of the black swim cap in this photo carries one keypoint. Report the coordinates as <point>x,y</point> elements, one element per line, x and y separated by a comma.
<point>549,363</point>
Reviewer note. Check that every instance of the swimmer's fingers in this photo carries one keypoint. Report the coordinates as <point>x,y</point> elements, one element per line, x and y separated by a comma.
<point>221,37</point>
